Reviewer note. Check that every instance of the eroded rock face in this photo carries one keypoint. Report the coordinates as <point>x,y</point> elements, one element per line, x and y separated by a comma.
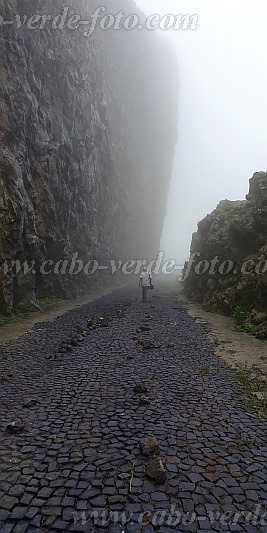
<point>88,127</point>
<point>236,232</point>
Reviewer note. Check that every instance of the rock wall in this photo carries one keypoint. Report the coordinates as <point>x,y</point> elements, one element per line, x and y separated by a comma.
<point>88,127</point>
<point>237,232</point>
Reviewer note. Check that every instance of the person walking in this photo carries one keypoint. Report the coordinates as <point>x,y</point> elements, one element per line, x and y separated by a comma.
<point>145,282</point>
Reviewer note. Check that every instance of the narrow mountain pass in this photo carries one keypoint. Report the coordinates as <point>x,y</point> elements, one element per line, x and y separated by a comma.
<point>119,416</point>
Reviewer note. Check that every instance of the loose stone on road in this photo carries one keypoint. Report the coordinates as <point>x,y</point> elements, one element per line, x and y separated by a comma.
<point>120,411</point>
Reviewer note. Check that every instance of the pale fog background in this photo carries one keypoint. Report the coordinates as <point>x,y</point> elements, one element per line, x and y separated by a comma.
<point>222,109</point>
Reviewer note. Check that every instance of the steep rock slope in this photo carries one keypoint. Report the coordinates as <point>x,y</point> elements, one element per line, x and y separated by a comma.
<point>234,232</point>
<point>88,127</point>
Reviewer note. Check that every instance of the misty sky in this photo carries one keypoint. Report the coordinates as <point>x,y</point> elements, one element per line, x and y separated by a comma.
<point>222,109</point>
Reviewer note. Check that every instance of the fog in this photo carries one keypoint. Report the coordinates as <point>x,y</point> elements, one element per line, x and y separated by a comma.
<point>222,110</point>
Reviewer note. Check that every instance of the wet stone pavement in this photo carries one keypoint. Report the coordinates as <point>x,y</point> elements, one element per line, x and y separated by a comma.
<point>72,460</point>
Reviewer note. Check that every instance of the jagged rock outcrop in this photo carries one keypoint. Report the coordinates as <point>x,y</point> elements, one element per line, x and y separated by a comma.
<point>235,236</point>
<point>88,127</point>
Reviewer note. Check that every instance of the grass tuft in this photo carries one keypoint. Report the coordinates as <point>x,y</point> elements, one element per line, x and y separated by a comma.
<point>243,321</point>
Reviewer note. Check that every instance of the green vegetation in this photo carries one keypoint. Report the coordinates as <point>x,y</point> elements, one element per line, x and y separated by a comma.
<point>249,441</point>
<point>16,312</point>
<point>240,315</point>
<point>3,320</point>
<point>250,328</point>
<point>48,301</point>
<point>243,321</point>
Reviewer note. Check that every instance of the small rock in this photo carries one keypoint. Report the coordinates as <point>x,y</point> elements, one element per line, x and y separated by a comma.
<point>74,342</point>
<point>68,347</point>
<point>7,376</point>
<point>145,328</point>
<point>140,389</point>
<point>144,400</point>
<point>150,446</point>
<point>30,403</point>
<point>155,470</point>
<point>61,350</point>
<point>15,427</point>
<point>65,347</point>
<point>150,345</point>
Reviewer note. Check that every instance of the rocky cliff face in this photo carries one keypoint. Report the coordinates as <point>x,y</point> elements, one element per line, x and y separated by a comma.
<point>87,138</point>
<point>235,232</point>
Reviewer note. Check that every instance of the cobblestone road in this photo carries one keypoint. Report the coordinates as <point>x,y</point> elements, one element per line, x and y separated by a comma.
<point>73,454</point>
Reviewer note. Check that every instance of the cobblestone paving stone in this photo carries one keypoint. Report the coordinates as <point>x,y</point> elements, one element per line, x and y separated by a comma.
<point>78,453</point>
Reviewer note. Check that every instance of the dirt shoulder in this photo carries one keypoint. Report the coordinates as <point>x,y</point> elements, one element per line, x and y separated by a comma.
<point>18,326</point>
<point>239,350</point>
